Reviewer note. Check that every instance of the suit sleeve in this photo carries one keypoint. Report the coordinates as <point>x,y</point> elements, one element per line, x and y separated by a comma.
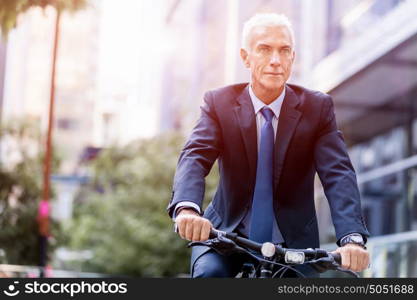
<point>197,158</point>
<point>337,175</point>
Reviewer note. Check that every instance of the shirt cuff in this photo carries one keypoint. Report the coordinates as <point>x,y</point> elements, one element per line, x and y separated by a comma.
<point>187,204</point>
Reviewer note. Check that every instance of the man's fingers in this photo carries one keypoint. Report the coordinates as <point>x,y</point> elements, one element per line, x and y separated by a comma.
<point>361,261</point>
<point>181,227</point>
<point>354,258</point>
<point>354,261</point>
<point>196,224</point>
<point>205,232</point>
<point>193,228</point>
<point>189,229</point>
<point>364,260</point>
<point>345,259</point>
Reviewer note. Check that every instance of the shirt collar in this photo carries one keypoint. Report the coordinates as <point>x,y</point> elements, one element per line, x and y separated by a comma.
<point>275,105</point>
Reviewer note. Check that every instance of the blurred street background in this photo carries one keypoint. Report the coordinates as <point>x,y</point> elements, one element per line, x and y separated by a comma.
<point>125,91</point>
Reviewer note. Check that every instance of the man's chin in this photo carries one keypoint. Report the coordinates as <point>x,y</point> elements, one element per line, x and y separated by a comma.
<point>273,86</point>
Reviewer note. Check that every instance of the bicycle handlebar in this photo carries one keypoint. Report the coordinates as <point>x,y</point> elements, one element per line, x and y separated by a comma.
<point>293,255</point>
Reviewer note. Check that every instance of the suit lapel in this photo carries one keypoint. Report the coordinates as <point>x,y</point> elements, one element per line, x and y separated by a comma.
<point>288,120</point>
<point>245,115</point>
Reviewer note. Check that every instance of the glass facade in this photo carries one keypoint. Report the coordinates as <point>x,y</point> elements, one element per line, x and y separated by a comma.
<point>347,19</point>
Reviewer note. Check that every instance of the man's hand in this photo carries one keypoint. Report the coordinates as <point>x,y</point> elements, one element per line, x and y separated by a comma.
<point>191,226</point>
<point>354,257</point>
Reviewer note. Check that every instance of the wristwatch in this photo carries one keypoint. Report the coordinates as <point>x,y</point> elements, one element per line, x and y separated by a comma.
<point>354,238</point>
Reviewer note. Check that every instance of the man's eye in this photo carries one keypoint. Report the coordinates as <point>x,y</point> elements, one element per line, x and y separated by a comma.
<point>285,51</point>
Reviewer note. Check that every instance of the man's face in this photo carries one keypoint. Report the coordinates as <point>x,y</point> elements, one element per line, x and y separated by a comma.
<point>270,57</point>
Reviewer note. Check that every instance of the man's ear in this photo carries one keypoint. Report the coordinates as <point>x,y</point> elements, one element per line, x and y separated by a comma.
<point>244,55</point>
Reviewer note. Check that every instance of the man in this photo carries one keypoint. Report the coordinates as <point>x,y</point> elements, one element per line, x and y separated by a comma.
<point>270,138</point>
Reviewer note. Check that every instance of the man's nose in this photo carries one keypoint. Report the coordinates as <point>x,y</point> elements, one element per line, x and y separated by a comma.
<point>275,59</point>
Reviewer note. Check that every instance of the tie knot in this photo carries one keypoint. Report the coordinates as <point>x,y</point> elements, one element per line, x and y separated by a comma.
<point>267,113</point>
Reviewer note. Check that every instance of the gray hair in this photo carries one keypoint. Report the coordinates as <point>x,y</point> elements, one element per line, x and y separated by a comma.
<point>265,19</point>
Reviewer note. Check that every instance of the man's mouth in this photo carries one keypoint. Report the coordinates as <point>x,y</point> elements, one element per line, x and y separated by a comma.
<point>274,73</point>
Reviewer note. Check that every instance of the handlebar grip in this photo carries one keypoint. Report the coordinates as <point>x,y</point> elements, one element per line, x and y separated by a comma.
<point>337,258</point>
<point>213,233</point>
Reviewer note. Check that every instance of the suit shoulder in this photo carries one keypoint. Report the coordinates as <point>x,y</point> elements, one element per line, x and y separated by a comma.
<point>309,94</point>
<point>227,92</point>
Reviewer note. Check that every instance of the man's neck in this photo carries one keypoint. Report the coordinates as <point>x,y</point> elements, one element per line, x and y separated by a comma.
<point>267,96</point>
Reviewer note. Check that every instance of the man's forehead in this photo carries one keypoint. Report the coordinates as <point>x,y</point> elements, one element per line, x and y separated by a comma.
<point>261,34</point>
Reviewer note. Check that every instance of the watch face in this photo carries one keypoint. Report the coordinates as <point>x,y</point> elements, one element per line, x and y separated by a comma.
<point>356,239</point>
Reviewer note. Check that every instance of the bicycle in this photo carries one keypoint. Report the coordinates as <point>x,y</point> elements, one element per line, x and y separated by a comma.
<point>263,258</point>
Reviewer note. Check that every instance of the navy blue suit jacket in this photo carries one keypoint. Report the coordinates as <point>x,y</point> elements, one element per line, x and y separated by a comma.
<point>307,142</point>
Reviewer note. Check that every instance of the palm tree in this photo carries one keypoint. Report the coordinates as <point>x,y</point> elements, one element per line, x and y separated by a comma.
<point>9,12</point>
<point>11,9</point>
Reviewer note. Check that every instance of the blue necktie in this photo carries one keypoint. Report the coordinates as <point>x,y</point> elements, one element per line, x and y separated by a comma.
<point>262,205</point>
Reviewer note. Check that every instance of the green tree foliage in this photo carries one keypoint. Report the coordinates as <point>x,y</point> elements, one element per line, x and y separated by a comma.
<point>11,9</point>
<point>20,192</point>
<point>121,214</point>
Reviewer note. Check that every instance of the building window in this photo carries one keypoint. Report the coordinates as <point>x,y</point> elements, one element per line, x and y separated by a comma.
<point>67,124</point>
